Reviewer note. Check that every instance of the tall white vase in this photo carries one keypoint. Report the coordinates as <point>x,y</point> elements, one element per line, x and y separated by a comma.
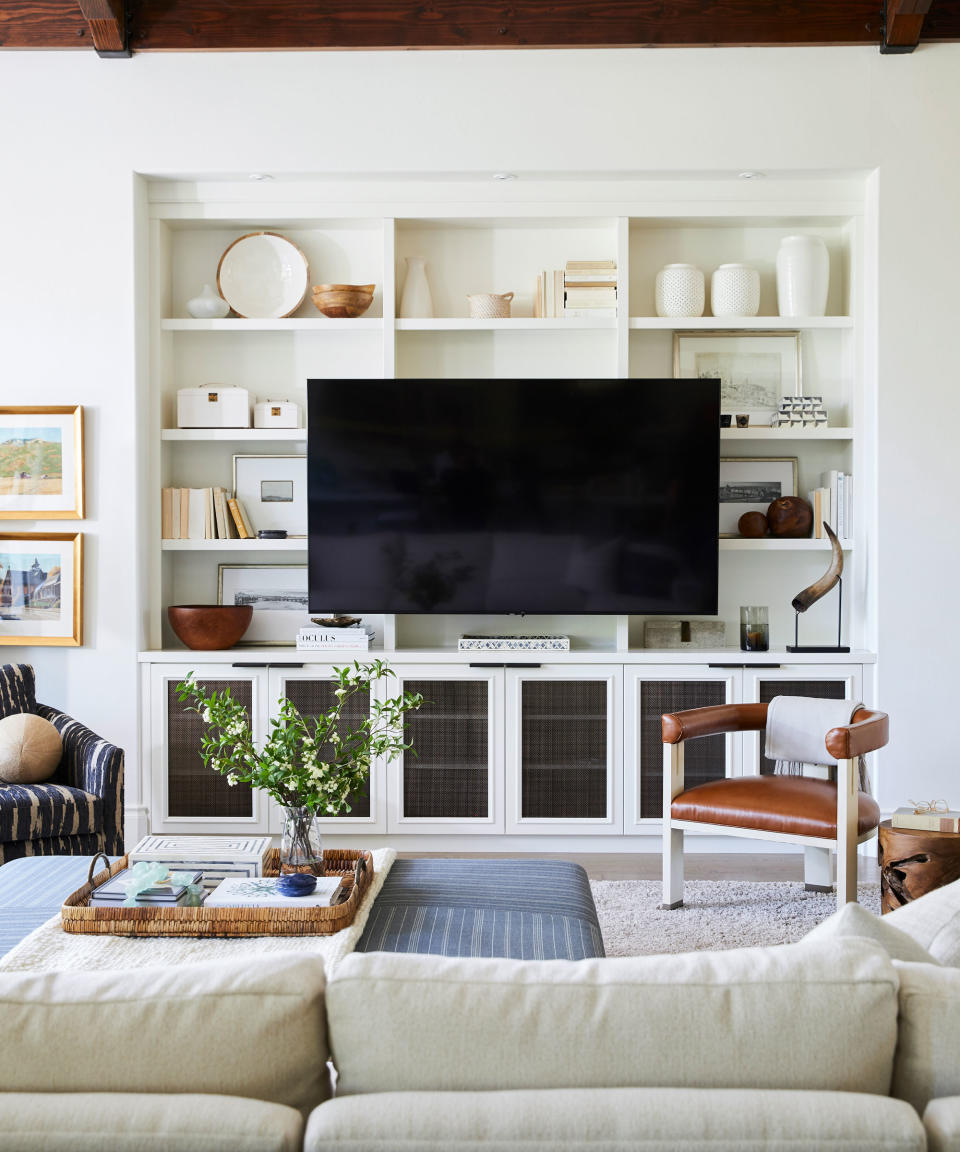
<point>416,303</point>
<point>803,276</point>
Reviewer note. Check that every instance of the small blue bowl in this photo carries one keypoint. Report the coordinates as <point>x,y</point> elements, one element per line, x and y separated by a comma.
<point>296,884</point>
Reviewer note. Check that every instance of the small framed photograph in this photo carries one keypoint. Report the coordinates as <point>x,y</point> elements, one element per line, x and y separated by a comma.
<point>273,492</point>
<point>755,369</point>
<point>278,594</point>
<point>41,588</point>
<point>41,463</point>
<point>751,484</point>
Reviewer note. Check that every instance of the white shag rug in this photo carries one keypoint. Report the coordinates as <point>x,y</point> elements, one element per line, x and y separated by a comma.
<point>715,914</point>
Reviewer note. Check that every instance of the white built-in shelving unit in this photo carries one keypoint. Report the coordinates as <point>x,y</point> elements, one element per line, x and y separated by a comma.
<point>476,238</point>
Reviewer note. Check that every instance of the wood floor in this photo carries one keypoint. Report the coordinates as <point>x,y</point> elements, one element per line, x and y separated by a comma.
<point>698,866</point>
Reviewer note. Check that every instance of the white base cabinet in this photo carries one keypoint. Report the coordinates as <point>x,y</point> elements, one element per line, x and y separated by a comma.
<point>530,751</point>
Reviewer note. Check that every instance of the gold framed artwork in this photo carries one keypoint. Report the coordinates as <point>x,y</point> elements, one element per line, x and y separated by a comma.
<point>41,588</point>
<point>41,463</point>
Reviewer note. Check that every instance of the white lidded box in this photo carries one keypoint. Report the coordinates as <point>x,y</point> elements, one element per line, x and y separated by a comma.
<point>276,414</point>
<point>217,857</point>
<point>213,406</point>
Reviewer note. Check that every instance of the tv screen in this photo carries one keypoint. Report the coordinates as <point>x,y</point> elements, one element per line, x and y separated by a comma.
<point>532,496</point>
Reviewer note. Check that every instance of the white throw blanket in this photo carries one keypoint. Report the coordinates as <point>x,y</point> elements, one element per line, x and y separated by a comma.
<point>48,948</point>
<point>796,732</point>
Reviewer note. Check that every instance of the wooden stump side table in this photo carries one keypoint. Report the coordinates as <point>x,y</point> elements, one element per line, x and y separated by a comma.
<point>913,862</point>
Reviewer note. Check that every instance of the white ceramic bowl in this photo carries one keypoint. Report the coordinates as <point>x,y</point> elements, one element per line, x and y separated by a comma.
<point>263,276</point>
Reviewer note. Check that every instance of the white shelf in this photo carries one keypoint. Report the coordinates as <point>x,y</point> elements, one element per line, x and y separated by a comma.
<point>763,433</point>
<point>512,324</point>
<point>296,544</point>
<point>741,323</point>
<point>769,544</point>
<point>241,435</point>
<point>297,324</point>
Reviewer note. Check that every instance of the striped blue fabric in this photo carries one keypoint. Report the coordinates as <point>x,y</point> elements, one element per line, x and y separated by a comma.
<point>31,891</point>
<point>17,689</point>
<point>521,909</point>
<point>42,811</point>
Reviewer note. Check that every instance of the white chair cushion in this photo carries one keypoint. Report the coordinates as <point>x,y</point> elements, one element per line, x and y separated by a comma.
<point>942,1122</point>
<point>236,1029</point>
<point>614,1120</point>
<point>927,1062</point>
<point>145,1122</point>
<point>933,920</point>
<point>809,1015</point>
<point>853,920</point>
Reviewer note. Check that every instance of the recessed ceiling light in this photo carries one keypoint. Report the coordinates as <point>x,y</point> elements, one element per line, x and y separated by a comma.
<point>504,175</point>
<point>752,174</point>
<point>260,176</point>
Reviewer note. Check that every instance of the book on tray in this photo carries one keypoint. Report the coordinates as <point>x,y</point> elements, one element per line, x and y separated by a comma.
<point>264,893</point>
<point>113,893</point>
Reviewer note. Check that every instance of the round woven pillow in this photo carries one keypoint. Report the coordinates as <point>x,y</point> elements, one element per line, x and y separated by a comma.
<point>30,749</point>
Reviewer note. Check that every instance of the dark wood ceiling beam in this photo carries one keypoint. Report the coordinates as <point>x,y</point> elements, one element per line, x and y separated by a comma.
<point>902,23</point>
<point>108,26</point>
<point>211,25</point>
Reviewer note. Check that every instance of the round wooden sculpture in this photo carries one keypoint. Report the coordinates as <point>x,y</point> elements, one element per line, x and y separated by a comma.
<point>913,862</point>
<point>210,626</point>
<point>790,517</point>
<point>753,525</point>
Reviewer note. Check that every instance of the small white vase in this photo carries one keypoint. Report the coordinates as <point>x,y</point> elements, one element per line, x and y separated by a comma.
<point>680,291</point>
<point>735,290</point>
<point>803,276</point>
<point>209,305</point>
<point>416,302</point>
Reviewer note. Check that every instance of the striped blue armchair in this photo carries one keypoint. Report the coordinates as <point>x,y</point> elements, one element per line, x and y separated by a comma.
<point>79,811</point>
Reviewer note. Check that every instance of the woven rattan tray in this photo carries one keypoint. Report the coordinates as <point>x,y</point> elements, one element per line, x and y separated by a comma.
<point>357,867</point>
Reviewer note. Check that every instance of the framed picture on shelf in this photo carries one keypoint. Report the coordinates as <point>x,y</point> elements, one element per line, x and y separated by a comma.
<point>273,492</point>
<point>278,594</point>
<point>751,484</point>
<point>755,369</point>
<point>41,588</point>
<point>41,463</point>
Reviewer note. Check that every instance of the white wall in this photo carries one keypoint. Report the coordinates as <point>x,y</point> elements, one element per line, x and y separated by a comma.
<point>76,128</point>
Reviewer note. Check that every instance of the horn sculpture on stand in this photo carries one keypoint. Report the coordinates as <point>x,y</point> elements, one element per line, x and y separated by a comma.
<point>816,591</point>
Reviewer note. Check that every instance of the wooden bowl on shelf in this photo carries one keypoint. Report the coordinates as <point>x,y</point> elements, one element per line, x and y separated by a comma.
<point>205,627</point>
<point>343,301</point>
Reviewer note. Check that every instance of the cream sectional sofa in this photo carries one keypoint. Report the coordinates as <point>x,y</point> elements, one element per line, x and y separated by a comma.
<point>825,1044</point>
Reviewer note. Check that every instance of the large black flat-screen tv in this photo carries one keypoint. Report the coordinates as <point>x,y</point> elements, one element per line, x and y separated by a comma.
<point>532,496</point>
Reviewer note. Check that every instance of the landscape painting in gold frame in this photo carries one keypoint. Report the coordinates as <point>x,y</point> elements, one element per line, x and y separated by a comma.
<point>41,588</point>
<point>41,463</point>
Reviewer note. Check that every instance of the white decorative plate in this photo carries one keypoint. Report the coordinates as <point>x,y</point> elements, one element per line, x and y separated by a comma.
<point>263,276</point>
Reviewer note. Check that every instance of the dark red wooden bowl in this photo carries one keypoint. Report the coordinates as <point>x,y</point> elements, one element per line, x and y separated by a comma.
<point>210,626</point>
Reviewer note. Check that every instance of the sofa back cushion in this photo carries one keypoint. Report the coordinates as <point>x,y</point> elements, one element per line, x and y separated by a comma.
<point>933,921</point>
<point>233,1029</point>
<point>18,689</point>
<point>817,1016</point>
<point>927,1063</point>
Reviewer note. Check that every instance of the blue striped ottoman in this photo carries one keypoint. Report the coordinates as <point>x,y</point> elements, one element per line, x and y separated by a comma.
<point>524,909</point>
<point>521,909</point>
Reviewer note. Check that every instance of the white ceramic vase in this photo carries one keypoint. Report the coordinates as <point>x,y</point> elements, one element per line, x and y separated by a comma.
<point>735,290</point>
<point>209,305</point>
<point>416,302</point>
<point>803,276</point>
<point>680,290</point>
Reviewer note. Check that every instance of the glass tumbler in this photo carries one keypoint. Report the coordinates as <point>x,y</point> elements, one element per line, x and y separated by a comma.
<point>754,629</point>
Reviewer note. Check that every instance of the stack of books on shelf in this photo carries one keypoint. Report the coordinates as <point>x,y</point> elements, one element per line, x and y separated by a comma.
<point>833,502</point>
<point>548,299</point>
<point>943,820</point>
<point>315,638</point>
<point>202,514</point>
<point>590,288</point>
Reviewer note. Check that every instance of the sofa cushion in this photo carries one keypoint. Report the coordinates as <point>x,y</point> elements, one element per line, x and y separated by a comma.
<point>621,1119</point>
<point>18,689</point>
<point>42,811</point>
<point>30,749</point>
<point>941,1119</point>
<point>809,1015</point>
<point>927,1062</point>
<point>146,1122</point>
<point>229,1028</point>
<point>853,920</point>
<point>933,920</point>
